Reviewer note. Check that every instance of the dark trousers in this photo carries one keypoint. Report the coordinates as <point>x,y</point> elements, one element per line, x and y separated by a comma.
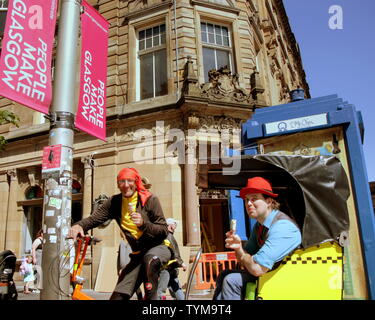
<point>142,268</point>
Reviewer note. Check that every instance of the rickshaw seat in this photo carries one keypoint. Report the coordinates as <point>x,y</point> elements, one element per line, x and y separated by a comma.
<point>315,273</point>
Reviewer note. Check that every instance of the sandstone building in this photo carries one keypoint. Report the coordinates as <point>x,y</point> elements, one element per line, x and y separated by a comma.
<point>181,74</point>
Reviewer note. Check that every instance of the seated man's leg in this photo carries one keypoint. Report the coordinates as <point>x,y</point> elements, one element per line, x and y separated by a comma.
<point>153,260</point>
<point>230,284</point>
<point>219,281</point>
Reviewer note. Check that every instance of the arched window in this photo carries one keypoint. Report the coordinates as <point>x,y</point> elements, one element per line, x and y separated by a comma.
<point>34,192</point>
<point>76,187</point>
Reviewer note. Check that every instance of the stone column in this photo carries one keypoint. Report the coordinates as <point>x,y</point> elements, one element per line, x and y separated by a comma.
<point>191,197</point>
<point>13,227</point>
<point>88,163</point>
<point>4,197</point>
<point>87,185</point>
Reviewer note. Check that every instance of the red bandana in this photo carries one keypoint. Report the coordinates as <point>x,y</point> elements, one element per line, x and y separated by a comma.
<point>131,173</point>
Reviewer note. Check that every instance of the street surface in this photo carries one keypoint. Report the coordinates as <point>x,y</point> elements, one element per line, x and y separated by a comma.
<point>202,295</point>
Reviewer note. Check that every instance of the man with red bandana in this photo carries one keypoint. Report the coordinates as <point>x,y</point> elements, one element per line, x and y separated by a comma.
<point>140,216</point>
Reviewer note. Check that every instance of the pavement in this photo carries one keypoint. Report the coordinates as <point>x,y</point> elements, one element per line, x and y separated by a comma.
<point>195,295</point>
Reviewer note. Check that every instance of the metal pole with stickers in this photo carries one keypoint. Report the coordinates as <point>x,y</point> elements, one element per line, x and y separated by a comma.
<point>57,164</point>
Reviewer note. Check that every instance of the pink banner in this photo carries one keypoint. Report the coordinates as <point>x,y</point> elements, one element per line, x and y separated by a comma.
<point>91,113</point>
<point>25,62</point>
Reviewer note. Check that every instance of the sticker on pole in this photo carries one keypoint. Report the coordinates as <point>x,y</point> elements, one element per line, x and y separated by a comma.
<point>51,163</point>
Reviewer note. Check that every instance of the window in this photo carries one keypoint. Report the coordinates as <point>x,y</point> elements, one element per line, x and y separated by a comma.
<point>34,192</point>
<point>152,58</point>
<point>33,217</point>
<point>76,211</point>
<point>32,224</point>
<point>3,15</point>
<point>217,48</point>
<point>76,187</point>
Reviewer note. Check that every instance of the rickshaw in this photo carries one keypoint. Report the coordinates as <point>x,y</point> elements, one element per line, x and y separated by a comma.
<point>80,255</point>
<point>313,190</point>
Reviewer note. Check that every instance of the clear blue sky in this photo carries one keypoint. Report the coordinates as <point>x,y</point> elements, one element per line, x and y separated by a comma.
<point>340,61</point>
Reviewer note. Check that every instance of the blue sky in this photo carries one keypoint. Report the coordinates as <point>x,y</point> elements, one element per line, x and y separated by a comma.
<point>340,61</point>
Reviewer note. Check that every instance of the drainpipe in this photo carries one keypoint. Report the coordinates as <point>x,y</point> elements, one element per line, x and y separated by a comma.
<point>176,38</point>
<point>297,95</point>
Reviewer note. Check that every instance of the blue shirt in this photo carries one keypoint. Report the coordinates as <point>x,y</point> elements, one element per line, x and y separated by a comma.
<point>283,238</point>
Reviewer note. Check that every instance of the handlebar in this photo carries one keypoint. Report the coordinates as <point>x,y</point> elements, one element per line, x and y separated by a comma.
<point>91,239</point>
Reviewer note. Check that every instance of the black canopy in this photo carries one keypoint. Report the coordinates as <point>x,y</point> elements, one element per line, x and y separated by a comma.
<point>312,189</point>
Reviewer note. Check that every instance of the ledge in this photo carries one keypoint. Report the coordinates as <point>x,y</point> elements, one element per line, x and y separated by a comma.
<point>148,104</point>
<point>39,201</point>
<point>27,131</point>
<point>215,6</point>
<point>144,11</point>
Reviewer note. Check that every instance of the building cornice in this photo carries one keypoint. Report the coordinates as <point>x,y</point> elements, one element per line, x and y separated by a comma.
<point>294,44</point>
<point>231,8</point>
<point>145,11</point>
<point>27,132</point>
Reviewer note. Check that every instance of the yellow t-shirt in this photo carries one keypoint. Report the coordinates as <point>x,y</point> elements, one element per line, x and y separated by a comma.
<point>126,221</point>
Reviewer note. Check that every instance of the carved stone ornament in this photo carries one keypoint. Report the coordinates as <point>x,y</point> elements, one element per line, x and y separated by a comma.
<point>267,26</point>
<point>219,123</point>
<point>224,86</point>
<point>190,85</point>
<point>147,129</point>
<point>88,161</point>
<point>12,173</point>
<point>271,41</point>
<point>256,85</point>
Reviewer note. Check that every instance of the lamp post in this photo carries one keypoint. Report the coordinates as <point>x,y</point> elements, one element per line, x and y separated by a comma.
<point>58,183</point>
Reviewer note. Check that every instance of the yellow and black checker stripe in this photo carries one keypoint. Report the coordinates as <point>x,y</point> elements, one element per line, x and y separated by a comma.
<point>312,260</point>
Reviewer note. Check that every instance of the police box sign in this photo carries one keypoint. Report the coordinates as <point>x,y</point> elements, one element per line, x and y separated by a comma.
<point>294,124</point>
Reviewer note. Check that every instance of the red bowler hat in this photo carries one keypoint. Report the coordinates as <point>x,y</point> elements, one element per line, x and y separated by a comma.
<point>257,185</point>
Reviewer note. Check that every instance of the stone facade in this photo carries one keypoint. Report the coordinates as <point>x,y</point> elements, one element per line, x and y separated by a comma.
<point>264,65</point>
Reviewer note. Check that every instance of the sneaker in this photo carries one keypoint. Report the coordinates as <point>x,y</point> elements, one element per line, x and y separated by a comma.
<point>36,291</point>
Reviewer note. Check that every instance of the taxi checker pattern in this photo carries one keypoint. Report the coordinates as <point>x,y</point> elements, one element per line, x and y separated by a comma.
<point>313,260</point>
<point>302,256</point>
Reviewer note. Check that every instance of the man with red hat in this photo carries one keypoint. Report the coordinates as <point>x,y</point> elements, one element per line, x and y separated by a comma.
<point>139,214</point>
<point>273,237</point>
